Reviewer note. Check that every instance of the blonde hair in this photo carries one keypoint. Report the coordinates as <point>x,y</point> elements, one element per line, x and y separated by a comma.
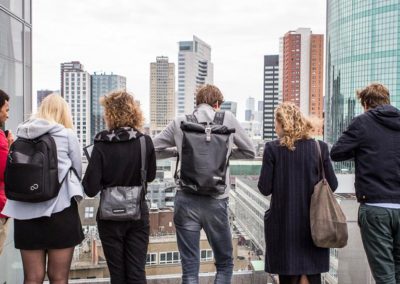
<point>295,125</point>
<point>121,110</point>
<point>56,110</point>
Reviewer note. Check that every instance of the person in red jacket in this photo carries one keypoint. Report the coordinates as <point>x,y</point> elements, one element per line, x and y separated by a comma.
<point>6,139</point>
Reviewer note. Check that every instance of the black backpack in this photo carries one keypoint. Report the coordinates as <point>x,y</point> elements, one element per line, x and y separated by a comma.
<point>32,170</point>
<point>205,155</point>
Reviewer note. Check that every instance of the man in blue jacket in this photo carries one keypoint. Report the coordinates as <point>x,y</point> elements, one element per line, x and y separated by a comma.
<point>373,141</point>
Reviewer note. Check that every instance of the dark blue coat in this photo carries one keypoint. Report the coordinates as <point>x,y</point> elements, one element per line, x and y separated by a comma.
<point>290,177</point>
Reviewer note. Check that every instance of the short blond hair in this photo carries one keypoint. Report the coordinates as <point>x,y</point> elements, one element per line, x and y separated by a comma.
<point>121,110</point>
<point>295,125</point>
<point>56,110</point>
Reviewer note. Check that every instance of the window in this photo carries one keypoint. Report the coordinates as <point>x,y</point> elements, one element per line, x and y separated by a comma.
<point>206,255</point>
<point>89,211</point>
<point>151,259</point>
<point>169,257</point>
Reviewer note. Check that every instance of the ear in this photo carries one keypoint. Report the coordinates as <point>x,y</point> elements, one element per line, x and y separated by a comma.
<point>216,105</point>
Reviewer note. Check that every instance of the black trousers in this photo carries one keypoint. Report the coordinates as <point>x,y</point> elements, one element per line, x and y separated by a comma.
<point>125,248</point>
<point>295,279</point>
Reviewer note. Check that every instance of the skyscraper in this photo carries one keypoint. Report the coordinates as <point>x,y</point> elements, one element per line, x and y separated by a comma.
<point>102,84</point>
<point>250,109</point>
<point>363,46</point>
<point>16,59</point>
<point>271,95</point>
<point>302,58</point>
<point>194,70</point>
<point>41,94</point>
<point>162,94</point>
<point>69,66</point>
<point>76,89</point>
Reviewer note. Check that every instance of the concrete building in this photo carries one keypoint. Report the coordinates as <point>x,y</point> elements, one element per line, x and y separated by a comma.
<point>194,70</point>
<point>76,89</point>
<point>250,109</point>
<point>102,84</point>
<point>230,106</point>
<point>162,94</point>
<point>41,94</point>
<point>271,95</point>
<point>302,66</point>
<point>16,81</point>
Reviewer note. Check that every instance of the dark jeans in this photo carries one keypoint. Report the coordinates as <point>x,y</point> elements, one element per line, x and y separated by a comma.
<point>380,232</point>
<point>125,248</point>
<point>291,279</point>
<point>193,213</point>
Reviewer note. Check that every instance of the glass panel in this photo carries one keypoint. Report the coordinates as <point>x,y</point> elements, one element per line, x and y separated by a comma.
<point>27,92</point>
<point>10,37</point>
<point>15,6</point>
<point>28,46</point>
<point>27,11</point>
<point>11,81</point>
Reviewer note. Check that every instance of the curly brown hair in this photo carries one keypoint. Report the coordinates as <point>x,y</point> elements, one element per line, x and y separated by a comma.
<point>374,95</point>
<point>294,124</point>
<point>121,110</point>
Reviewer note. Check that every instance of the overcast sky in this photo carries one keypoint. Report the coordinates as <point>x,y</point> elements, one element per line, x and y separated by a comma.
<point>124,36</point>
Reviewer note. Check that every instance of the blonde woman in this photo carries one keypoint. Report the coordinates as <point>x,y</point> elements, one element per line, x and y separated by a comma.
<point>116,161</point>
<point>289,172</point>
<point>47,232</point>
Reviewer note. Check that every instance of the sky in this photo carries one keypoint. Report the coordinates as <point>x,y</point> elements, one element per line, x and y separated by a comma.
<point>125,36</point>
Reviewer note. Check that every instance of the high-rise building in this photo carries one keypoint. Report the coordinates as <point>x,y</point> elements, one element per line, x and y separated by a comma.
<point>194,70</point>
<point>102,84</point>
<point>41,94</point>
<point>76,89</point>
<point>16,58</point>
<point>16,81</point>
<point>250,109</point>
<point>362,47</point>
<point>69,66</point>
<point>302,67</point>
<point>162,94</point>
<point>271,95</point>
<point>230,106</point>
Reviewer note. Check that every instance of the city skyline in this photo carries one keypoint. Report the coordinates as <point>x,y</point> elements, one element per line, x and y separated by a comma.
<point>239,34</point>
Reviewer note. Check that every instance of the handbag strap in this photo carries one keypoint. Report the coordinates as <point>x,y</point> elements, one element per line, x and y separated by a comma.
<point>143,172</point>
<point>320,162</point>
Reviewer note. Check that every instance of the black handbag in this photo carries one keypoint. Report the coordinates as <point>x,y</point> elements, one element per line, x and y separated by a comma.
<point>123,203</point>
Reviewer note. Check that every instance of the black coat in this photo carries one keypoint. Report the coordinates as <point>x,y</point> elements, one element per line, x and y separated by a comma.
<point>290,177</point>
<point>117,162</point>
<point>373,140</point>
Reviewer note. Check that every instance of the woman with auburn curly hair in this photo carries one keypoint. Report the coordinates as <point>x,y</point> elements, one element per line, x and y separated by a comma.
<point>289,172</point>
<point>115,166</point>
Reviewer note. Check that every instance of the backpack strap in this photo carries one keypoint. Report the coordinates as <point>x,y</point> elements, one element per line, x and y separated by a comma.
<point>219,117</point>
<point>191,118</point>
<point>143,172</point>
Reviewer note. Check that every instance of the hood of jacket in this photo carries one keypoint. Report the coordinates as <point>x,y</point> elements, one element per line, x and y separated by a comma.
<point>117,135</point>
<point>35,127</point>
<point>387,115</point>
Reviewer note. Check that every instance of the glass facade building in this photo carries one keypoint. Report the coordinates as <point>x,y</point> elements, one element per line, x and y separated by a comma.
<point>362,46</point>
<point>16,58</point>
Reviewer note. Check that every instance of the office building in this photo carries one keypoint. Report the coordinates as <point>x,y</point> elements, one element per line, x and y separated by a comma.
<point>76,89</point>
<point>162,94</point>
<point>250,109</point>
<point>102,84</point>
<point>41,94</point>
<point>230,106</point>
<point>302,66</point>
<point>271,95</point>
<point>194,70</point>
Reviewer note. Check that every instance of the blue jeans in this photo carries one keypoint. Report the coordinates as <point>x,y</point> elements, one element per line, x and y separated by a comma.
<point>193,213</point>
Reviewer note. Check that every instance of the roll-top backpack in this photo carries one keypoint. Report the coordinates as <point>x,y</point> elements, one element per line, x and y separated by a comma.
<point>205,156</point>
<point>32,170</point>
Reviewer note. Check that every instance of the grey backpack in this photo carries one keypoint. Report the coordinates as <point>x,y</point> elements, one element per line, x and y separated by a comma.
<point>205,155</point>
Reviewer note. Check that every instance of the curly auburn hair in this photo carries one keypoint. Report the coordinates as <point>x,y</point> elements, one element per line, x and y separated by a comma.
<point>121,110</point>
<point>295,125</point>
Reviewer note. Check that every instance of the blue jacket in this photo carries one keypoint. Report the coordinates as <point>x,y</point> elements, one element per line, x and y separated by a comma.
<point>373,140</point>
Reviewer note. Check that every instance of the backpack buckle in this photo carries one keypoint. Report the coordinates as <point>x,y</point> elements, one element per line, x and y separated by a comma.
<point>208,132</point>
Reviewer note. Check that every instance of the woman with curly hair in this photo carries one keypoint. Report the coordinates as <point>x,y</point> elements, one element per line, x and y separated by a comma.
<point>289,172</point>
<point>115,163</point>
